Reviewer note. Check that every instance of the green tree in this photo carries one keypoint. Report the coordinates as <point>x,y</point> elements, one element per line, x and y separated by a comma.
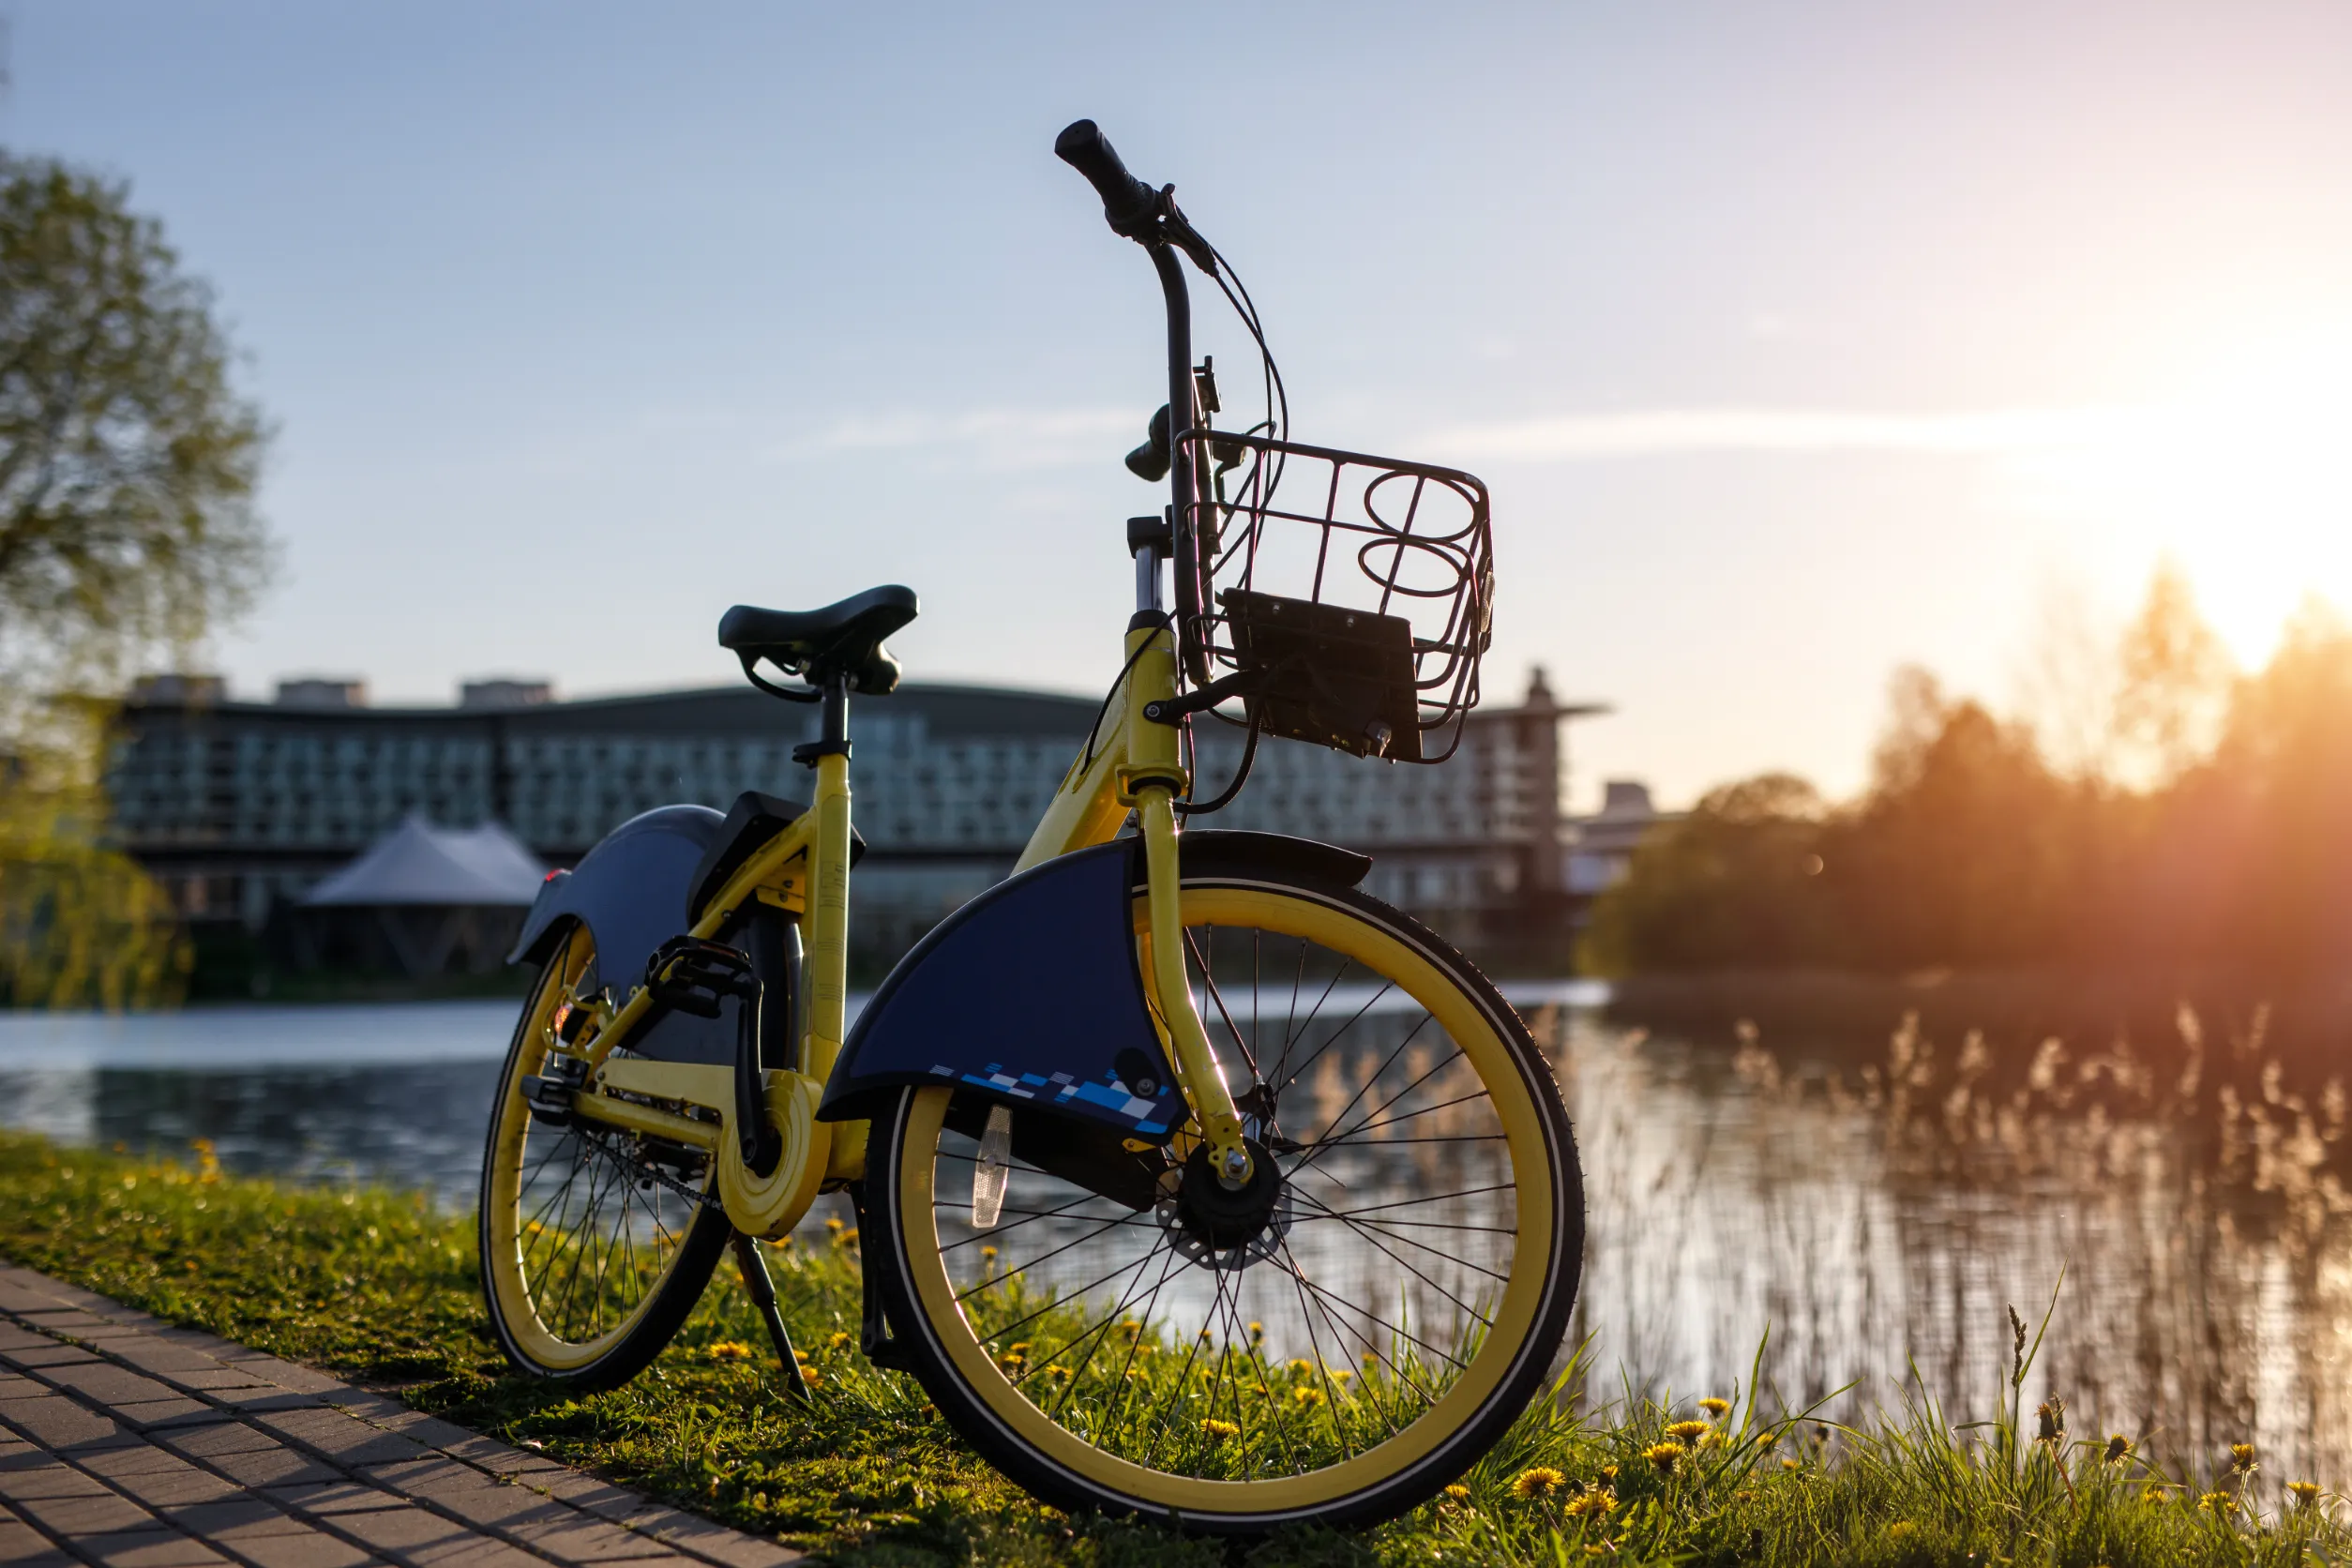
<point>127,467</point>
<point>1731,884</point>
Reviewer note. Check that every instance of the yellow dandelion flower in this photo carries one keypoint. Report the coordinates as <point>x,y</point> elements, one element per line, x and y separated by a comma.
<point>1592,1501</point>
<point>1131,1328</point>
<point>1685,1431</point>
<point>1256,1333</point>
<point>1539,1481</point>
<point>2118,1449</point>
<point>1457,1493</point>
<point>1717,1408</point>
<point>1340,1374</point>
<point>1220,1430</point>
<point>1608,1472</point>
<point>834,1226</point>
<point>2241,1457</point>
<point>1309,1396</point>
<point>809,1375</point>
<point>1664,1457</point>
<point>1300,1368</point>
<point>2217,1503</point>
<point>839,1341</point>
<point>1767,1438</point>
<point>1019,1347</point>
<point>2305,1493</point>
<point>987,1255</point>
<point>1790,1464</point>
<point>729,1349</point>
<point>1712,1438</point>
<point>1058,1373</point>
<point>2151,1493</point>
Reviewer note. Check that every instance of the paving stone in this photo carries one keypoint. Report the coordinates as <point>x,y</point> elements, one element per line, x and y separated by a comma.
<point>334,1497</point>
<point>58,1424</point>
<point>106,1383</point>
<point>145,1459</point>
<point>210,1376</point>
<point>176,1487</point>
<point>476,1552</point>
<point>280,1467</point>
<point>600,1498</point>
<point>255,1398</point>
<point>23,1546</point>
<point>429,1431</point>
<point>400,1532</point>
<point>83,1515</point>
<point>48,1352</point>
<point>203,1443</point>
<point>344,1439</point>
<point>306,1548</point>
<point>179,1410</point>
<point>714,1543</point>
<point>578,1539</point>
<point>49,1479</point>
<point>146,1548</point>
<point>494,1455</point>
<point>60,1320</point>
<point>233,1518</point>
<point>286,1375</point>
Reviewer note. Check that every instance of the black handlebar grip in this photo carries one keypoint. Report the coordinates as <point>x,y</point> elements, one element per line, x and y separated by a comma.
<point>1127,201</point>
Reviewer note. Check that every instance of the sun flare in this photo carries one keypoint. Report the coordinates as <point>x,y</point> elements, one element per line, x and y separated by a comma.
<point>2244,478</point>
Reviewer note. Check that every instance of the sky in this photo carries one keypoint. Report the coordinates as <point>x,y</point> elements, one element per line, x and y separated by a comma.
<point>1794,340</point>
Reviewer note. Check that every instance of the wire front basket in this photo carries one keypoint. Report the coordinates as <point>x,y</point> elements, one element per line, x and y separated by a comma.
<point>1350,596</point>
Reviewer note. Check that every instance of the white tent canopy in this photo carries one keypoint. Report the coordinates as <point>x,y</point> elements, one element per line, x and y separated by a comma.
<point>418,863</point>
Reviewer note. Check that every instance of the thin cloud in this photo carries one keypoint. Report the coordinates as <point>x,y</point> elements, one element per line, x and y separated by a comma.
<point>1019,437</point>
<point>1658,432</point>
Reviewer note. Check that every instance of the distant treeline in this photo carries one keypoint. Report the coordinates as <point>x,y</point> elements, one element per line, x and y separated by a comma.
<point>2163,810</point>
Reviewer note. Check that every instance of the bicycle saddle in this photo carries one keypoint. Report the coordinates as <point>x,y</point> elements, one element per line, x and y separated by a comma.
<point>844,638</point>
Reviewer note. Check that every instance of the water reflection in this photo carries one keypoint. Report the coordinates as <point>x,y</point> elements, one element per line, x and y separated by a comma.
<point>1872,1221</point>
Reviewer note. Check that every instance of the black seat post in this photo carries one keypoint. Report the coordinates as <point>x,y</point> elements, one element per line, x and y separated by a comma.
<point>833,734</point>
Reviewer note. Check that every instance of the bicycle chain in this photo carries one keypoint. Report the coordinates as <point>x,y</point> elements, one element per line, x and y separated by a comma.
<point>649,1170</point>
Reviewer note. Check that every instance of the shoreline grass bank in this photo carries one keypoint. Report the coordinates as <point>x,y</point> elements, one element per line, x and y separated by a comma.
<point>380,1288</point>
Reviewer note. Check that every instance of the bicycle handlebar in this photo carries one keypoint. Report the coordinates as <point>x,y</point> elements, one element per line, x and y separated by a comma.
<point>1127,201</point>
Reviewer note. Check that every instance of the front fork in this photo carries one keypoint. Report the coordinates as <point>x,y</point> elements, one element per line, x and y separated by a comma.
<point>1196,1066</point>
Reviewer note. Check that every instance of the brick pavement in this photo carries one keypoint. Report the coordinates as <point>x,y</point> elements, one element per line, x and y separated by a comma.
<point>127,1444</point>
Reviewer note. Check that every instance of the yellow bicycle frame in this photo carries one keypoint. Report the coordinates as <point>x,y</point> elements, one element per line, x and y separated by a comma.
<point>1132,763</point>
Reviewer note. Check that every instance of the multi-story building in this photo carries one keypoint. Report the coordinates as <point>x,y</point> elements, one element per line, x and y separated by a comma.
<point>239,807</point>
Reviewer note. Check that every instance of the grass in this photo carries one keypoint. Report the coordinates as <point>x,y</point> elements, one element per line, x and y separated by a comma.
<point>380,1288</point>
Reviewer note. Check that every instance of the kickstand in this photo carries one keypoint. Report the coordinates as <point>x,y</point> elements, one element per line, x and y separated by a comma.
<point>755,1279</point>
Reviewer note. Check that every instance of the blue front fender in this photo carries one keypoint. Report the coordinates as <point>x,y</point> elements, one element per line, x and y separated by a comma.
<point>1029,993</point>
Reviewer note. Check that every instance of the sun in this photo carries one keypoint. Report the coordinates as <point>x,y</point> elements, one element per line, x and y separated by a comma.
<point>2243,476</point>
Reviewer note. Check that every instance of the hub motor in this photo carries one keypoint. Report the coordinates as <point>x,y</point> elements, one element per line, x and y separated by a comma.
<point>1222,1228</point>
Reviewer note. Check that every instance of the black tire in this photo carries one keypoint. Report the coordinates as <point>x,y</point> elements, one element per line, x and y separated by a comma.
<point>522,1294</point>
<point>905,1220</point>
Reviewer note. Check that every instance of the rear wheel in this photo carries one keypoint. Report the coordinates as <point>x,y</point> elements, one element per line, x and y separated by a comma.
<point>594,1242</point>
<point>1329,1346</point>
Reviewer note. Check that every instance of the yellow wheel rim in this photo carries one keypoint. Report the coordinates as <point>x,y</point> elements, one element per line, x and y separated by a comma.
<point>1044,1387</point>
<point>576,1248</point>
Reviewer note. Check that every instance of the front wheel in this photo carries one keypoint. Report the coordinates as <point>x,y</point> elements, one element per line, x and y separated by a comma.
<point>1331,1346</point>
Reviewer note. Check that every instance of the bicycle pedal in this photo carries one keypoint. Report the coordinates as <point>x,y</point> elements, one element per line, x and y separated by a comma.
<point>550,1099</point>
<point>693,975</point>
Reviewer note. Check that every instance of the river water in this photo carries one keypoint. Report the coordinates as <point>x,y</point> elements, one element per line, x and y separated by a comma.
<point>1853,1225</point>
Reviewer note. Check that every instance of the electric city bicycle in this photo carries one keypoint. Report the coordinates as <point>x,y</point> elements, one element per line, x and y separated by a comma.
<point>1192,1181</point>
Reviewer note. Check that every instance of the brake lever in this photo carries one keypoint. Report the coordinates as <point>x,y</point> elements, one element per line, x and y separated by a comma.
<point>1177,230</point>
